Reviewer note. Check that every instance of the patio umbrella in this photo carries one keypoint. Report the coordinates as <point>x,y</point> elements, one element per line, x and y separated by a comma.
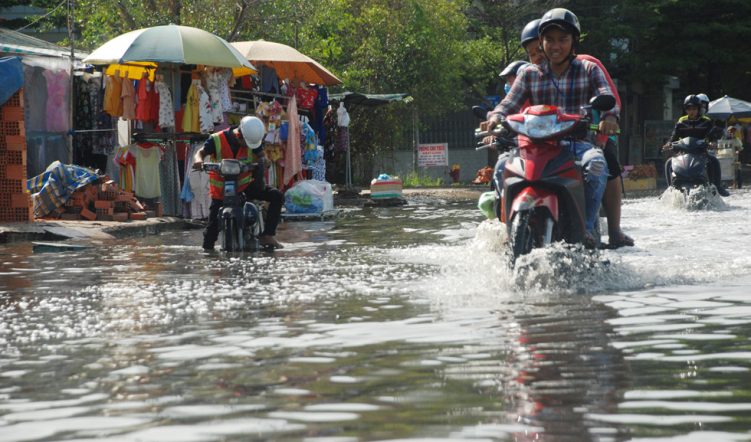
<point>726,107</point>
<point>169,44</point>
<point>288,62</point>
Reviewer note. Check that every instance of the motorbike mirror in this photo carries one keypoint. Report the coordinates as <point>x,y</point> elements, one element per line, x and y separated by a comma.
<point>480,112</point>
<point>603,102</point>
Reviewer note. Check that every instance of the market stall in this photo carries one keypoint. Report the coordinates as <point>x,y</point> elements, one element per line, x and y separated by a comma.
<point>289,93</point>
<point>170,84</point>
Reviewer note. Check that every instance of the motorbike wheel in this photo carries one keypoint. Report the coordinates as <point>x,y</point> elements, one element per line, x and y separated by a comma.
<point>522,235</point>
<point>229,240</point>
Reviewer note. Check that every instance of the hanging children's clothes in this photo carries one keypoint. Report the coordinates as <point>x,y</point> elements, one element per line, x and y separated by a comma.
<point>306,97</point>
<point>166,113</point>
<point>126,164</point>
<point>147,183</point>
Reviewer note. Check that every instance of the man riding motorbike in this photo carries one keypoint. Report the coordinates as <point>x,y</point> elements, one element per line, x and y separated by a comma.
<point>693,124</point>
<point>613,197</point>
<point>568,83</point>
<point>243,142</point>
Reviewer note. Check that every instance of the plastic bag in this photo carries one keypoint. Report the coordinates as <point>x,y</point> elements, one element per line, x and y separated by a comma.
<point>486,204</point>
<point>309,196</point>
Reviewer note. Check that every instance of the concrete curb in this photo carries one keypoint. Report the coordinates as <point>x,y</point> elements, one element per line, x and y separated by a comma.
<point>57,230</point>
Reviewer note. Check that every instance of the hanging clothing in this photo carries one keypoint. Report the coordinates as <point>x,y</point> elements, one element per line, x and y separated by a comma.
<point>191,122</point>
<point>113,104</point>
<point>199,187</point>
<point>205,112</point>
<point>306,98</point>
<point>213,88</point>
<point>35,98</point>
<point>269,80</point>
<point>148,183</point>
<point>128,95</point>
<point>166,113</point>
<point>292,155</point>
<point>57,109</point>
<point>143,110</point>
<point>170,181</point>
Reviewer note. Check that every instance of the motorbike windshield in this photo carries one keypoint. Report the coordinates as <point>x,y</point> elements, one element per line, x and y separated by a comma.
<point>540,126</point>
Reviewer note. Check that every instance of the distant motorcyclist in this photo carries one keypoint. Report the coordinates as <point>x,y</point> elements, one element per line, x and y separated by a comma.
<point>693,124</point>
<point>569,83</point>
<point>244,143</point>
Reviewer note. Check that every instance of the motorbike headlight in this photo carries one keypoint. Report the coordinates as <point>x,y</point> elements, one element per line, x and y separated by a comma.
<point>545,126</point>
<point>230,167</point>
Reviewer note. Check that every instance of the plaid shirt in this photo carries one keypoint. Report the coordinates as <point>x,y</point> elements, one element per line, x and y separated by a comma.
<point>581,81</point>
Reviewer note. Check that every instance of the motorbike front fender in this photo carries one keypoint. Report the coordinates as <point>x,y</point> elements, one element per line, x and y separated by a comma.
<point>530,198</point>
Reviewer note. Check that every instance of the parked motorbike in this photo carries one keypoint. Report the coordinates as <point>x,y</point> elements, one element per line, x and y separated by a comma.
<point>240,221</point>
<point>541,195</point>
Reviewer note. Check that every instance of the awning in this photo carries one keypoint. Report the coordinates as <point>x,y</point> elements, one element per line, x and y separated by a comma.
<point>17,43</point>
<point>352,98</point>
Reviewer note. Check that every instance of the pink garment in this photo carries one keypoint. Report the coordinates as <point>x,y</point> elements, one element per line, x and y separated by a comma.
<point>57,109</point>
<point>128,94</point>
<point>292,154</point>
<point>601,139</point>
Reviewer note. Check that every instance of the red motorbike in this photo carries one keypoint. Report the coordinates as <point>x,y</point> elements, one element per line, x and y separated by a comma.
<point>541,196</point>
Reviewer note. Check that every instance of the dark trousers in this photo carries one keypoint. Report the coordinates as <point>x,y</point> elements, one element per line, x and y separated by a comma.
<point>253,192</point>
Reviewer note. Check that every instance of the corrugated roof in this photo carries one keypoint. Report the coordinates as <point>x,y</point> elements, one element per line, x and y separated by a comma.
<point>17,43</point>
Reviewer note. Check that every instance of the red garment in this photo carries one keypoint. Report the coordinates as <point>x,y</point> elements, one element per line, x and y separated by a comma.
<point>154,100</point>
<point>306,98</point>
<point>143,108</point>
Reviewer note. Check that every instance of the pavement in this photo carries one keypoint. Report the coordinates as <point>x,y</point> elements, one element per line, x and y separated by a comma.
<point>59,230</point>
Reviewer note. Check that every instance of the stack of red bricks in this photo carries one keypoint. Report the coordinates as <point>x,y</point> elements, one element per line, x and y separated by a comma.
<point>15,202</point>
<point>103,201</point>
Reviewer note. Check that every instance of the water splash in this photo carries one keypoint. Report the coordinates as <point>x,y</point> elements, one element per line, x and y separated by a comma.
<point>699,198</point>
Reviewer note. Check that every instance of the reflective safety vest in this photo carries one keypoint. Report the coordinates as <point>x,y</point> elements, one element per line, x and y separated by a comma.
<point>222,149</point>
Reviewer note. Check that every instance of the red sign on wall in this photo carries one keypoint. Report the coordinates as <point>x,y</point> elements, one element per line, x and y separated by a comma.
<point>435,154</point>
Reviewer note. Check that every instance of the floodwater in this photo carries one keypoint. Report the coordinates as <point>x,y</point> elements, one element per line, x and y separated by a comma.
<point>386,324</point>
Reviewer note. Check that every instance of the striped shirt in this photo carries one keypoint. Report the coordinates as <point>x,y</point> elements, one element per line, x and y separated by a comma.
<point>578,84</point>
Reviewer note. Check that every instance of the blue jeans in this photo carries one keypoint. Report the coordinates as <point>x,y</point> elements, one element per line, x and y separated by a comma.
<point>595,176</point>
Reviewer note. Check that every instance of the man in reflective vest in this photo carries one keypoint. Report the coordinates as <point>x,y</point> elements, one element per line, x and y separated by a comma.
<point>241,142</point>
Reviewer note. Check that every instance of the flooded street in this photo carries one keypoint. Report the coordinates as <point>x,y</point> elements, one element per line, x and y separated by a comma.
<point>386,324</point>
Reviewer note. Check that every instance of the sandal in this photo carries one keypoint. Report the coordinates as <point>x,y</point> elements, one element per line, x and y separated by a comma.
<point>619,240</point>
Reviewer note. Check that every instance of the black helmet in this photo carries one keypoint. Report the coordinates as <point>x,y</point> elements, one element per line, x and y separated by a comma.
<point>530,32</point>
<point>692,100</point>
<point>562,18</point>
<point>512,68</point>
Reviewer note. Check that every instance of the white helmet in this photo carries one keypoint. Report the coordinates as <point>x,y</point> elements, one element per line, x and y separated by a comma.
<point>252,130</point>
<point>703,98</point>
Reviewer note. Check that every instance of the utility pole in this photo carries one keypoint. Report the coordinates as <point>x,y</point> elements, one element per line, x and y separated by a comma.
<point>72,38</point>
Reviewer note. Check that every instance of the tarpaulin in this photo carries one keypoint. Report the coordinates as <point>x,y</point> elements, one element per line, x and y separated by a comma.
<point>52,188</point>
<point>11,77</point>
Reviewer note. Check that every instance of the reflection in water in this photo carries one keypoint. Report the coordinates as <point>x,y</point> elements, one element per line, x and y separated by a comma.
<point>386,324</point>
